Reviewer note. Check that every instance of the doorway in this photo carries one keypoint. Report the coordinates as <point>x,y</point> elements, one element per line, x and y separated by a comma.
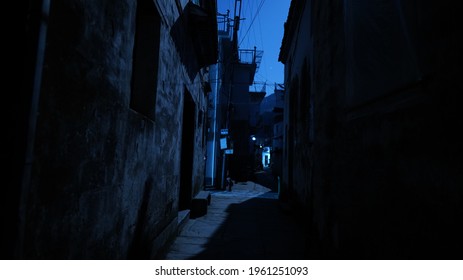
<point>186,168</point>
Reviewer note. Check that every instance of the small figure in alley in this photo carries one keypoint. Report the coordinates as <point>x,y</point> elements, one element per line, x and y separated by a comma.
<point>229,184</point>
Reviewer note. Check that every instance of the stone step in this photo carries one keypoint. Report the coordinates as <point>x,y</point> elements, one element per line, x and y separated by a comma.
<point>199,204</point>
<point>182,219</point>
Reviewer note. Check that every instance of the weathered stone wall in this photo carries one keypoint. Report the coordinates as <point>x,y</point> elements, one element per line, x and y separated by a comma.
<point>383,178</point>
<point>298,155</point>
<point>105,178</point>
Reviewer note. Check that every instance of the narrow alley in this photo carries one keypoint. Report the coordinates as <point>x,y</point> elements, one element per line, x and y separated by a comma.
<point>246,223</point>
<point>339,123</point>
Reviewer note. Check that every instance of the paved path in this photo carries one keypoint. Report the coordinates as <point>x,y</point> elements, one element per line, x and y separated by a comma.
<point>246,223</point>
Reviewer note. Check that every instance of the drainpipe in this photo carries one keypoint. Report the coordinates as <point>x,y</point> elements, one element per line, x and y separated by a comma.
<point>37,81</point>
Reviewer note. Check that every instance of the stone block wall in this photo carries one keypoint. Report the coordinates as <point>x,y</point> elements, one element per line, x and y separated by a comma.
<point>375,170</point>
<point>105,178</point>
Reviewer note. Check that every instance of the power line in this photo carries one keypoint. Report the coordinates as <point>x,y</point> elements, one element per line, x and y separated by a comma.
<point>252,21</point>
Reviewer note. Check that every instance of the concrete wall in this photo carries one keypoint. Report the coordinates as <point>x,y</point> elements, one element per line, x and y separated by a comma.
<point>105,178</point>
<point>298,119</point>
<point>241,160</point>
<point>375,169</point>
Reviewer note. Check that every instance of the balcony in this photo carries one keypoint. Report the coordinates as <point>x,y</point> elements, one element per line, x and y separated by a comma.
<point>248,56</point>
<point>224,25</point>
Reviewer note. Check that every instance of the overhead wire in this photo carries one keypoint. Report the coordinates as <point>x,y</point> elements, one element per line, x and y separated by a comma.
<point>250,5</point>
<point>252,21</point>
<point>264,60</point>
<point>248,10</point>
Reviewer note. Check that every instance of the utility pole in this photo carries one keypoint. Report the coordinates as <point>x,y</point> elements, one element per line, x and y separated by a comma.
<point>236,27</point>
<point>237,18</point>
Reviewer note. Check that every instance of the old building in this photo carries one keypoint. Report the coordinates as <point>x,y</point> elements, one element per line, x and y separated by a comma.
<point>230,148</point>
<point>372,150</point>
<point>270,132</point>
<point>217,103</point>
<point>113,145</point>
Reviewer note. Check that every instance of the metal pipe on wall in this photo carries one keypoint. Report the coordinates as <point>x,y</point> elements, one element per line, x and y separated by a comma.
<point>32,123</point>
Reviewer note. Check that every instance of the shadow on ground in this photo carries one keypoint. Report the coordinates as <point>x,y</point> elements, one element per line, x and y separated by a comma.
<point>248,223</point>
<point>266,179</point>
<point>255,229</point>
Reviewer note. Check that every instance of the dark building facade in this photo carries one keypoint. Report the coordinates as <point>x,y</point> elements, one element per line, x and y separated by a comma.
<point>112,147</point>
<point>270,130</point>
<point>232,107</point>
<point>241,105</point>
<point>217,103</point>
<point>372,150</point>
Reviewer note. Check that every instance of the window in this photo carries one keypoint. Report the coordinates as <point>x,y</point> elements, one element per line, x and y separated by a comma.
<point>145,59</point>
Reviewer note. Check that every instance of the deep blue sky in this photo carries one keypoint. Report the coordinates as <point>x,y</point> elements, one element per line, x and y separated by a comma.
<point>266,33</point>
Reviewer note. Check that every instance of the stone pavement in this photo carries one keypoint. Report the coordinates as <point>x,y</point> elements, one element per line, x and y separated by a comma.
<point>246,223</point>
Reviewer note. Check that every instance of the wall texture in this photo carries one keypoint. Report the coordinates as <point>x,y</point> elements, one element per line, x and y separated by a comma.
<point>372,151</point>
<point>106,179</point>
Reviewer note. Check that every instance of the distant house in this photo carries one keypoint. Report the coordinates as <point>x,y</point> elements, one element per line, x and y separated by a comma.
<point>232,109</point>
<point>270,130</point>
